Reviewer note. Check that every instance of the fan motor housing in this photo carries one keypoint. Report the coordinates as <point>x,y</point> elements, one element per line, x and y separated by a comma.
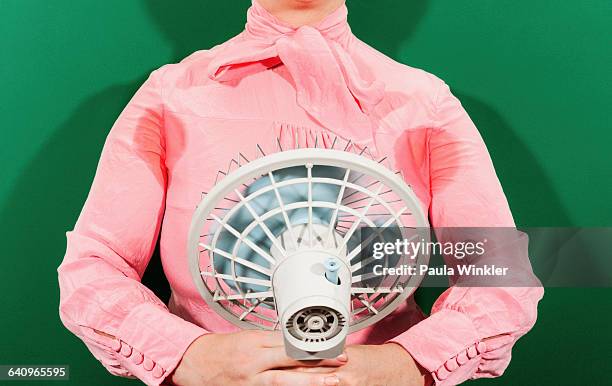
<point>313,310</point>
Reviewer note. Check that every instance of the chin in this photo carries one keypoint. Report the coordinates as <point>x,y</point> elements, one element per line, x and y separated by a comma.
<point>309,3</point>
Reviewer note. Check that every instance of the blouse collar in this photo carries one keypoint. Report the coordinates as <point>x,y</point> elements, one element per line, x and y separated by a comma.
<point>329,86</point>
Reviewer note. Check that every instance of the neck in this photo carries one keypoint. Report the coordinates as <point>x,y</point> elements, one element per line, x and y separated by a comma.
<point>297,13</point>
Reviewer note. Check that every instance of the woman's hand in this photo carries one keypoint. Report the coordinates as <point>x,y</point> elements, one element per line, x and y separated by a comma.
<point>248,358</point>
<point>377,365</point>
<point>386,365</point>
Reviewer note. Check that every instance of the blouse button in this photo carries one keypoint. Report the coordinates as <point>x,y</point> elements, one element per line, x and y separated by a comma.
<point>126,350</point>
<point>116,345</point>
<point>481,347</point>
<point>148,364</point>
<point>472,352</point>
<point>442,373</point>
<point>451,364</point>
<point>137,357</point>
<point>462,358</point>
<point>157,371</point>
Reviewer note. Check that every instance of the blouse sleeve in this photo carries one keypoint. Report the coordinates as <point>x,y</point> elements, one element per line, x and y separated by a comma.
<point>102,301</point>
<point>471,330</point>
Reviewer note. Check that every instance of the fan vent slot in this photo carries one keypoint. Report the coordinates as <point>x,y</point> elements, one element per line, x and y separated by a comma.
<point>315,324</point>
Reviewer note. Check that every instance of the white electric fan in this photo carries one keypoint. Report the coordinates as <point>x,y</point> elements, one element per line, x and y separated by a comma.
<point>284,242</point>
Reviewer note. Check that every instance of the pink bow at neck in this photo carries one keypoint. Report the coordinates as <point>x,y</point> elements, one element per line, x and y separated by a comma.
<point>329,87</point>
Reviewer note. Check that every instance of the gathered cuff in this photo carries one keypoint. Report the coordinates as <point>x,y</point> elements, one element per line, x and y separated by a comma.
<point>152,341</point>
<point>446,344</point>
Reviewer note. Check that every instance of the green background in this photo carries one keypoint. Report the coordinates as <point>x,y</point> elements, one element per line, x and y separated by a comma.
<point>534,76</point>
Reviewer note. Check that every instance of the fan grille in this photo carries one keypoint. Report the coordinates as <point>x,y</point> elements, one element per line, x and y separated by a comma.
<point>235,277</point>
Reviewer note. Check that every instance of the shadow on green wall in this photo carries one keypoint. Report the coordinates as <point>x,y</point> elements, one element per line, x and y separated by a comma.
<point>49,193</point>
<point>51,190</point>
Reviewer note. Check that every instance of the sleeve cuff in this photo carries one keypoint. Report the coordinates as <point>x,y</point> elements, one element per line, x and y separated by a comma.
<point>446,344</point>
<point>151,342</point>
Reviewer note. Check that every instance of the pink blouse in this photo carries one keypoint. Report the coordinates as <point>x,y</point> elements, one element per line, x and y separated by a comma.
<point>302,86</point>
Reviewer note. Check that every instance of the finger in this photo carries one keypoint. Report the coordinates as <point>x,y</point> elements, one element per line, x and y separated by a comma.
<point>316,369</point>
<point>294,378</point>
<point>276,357</point>
<point>270,339</point>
